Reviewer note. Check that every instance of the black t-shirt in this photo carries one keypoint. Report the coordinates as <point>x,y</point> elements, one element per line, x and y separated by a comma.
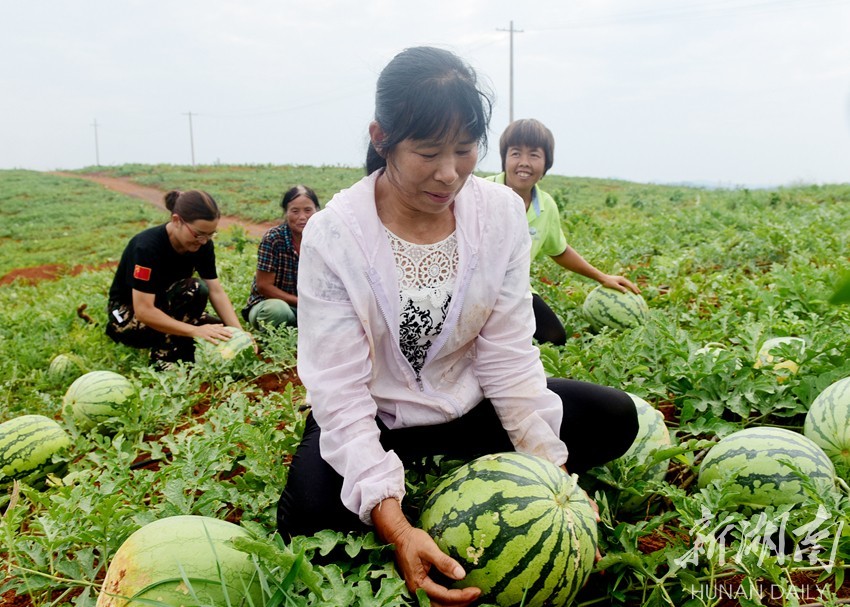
<point>150,264</point>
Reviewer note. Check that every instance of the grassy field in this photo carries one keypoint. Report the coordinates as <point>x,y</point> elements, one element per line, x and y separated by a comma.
<point>732,267</point>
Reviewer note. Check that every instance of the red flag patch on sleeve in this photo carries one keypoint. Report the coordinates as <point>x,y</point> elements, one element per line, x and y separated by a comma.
<point>142,273</point>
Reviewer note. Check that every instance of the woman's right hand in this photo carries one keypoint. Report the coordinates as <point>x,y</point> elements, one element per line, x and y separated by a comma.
<point>213,333</point>
<point>416,553</point>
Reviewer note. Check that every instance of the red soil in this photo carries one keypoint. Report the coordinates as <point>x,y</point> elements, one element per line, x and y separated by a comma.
<point>37,274</point>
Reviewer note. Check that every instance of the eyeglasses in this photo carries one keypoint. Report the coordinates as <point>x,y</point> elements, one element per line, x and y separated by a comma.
<point>200,236</point>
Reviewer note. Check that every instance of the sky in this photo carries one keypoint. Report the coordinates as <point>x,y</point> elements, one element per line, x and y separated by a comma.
<point>723,92</point>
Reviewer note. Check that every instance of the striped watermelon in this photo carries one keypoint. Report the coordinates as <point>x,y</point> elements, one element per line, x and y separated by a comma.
<point>240,345</point>
<point>150,565</point>
<point>652,435</point>
<point>604,307</point>
<point>97,396</point>
<point>828,422</point>
<point>770,356</point>
<point>522,529</point>
<point>63,368</point>
<point>753,461</point>
<point>28,442</point>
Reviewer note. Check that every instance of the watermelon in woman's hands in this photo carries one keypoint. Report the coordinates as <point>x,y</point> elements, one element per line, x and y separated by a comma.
<point>523,530</point>
<point>605,307</point>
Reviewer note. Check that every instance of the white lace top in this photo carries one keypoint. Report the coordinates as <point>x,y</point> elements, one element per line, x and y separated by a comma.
<point>426,278</point>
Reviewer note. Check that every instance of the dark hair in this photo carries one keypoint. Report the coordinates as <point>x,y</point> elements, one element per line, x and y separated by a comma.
<point>192,205</point>
<point>296,191</point>
<point>530,133</point>
<point>427,93</point>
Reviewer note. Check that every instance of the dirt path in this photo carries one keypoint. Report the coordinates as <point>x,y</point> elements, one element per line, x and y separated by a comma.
<point>155,197</point>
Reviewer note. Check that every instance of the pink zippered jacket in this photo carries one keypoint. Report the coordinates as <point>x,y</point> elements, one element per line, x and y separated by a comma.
<point>349,357</point>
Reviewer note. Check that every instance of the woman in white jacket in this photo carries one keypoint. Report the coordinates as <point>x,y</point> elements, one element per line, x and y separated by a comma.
<point>415,326</point>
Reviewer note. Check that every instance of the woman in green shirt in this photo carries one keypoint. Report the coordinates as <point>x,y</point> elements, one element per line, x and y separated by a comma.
<point>527,149</point>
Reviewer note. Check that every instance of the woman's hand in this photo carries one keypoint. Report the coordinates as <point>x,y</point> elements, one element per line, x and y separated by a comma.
<point>416,554</point>
<point>621,283</point>
<point>213,333</point>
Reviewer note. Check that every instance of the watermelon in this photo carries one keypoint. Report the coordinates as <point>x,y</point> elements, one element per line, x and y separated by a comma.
<point>97,396</point>
<point>652,435</point>
<point>828,422</point>
<point>522,529</point>
<point>770,356</point>
<point>753,463</point>
<point>63,368</point>
<point>28,442</point>
<point>604,307</point>
<point>151,564</point>
<point>239,346</point>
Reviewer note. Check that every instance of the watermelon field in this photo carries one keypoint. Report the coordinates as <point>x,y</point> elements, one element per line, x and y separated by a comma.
<point>762,519</point>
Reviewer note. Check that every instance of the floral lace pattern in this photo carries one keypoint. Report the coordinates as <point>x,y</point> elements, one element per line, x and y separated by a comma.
<point>426,278</point>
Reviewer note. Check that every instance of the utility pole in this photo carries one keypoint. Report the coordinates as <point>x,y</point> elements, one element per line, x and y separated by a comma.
<point>511,85</point>
<point>191,137</point>
<point>96,147</point>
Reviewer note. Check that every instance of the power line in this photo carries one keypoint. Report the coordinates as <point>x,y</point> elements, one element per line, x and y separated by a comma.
<point>346,93</point>
<point>697,11</point>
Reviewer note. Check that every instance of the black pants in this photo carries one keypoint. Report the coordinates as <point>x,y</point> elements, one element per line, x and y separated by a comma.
<point>548,327</point>
<point>184,300</point>
<point>599,425</point>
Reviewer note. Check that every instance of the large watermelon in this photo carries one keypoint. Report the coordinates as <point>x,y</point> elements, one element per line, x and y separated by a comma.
<point>753,460</point>
<point>28,442</point>
<point>522,529</point>
<point>239,346</point>
<point>604,307</point>
<point>150,566</point>
<point>97,396</point>
<point>828,422</point>
<point>652,435</point>
<point>770,356</point>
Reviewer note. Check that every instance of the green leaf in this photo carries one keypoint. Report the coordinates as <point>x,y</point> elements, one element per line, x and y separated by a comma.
<point>688,579</point>
<point>340,592</point>
<point>284,558</point>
